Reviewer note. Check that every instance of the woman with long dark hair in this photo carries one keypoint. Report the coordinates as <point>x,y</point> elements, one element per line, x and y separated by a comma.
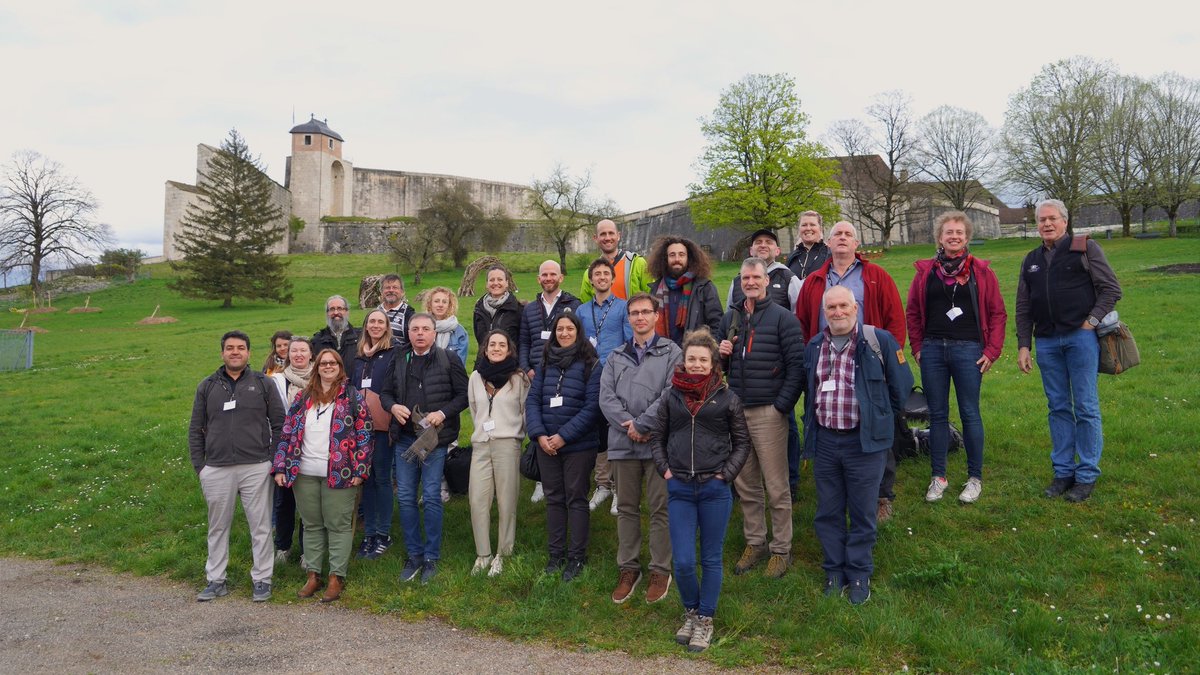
<point>370,368</point>
<point>561,414</point>
<point>325,455</point>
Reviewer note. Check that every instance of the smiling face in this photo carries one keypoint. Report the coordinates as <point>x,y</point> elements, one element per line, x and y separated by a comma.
<point>677,260</point>
<point>235,352</point>
<point>765,248</point>
<point>565,332</point>
<point>377,325</point>
<point>953,238</point>
<point>841,312</point>
<point>608,238</point>
<point>335,315</point>
<point>698,360</point>
<point>602,278</point>
<point>439,305</point>
<point>550,277</point>
<point>498,347</point>
<point>754,282</point>
<point>1051,224</point>
<point>392,293</point>
<point>810,230</point>
<point>329,368</point>
<point>497,283</point>
<point>299,355</point>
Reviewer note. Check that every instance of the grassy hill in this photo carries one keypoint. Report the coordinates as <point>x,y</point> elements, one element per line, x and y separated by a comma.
<point>95,470</point>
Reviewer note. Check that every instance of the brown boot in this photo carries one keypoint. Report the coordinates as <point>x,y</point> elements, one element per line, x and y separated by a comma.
<point>884,511</point>
<point>311,586</point>
<point>334,590</point>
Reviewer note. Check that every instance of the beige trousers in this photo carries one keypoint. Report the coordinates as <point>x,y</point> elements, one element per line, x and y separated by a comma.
<point>222,485</point>
<point>766,467</point>
<point>494,472</point>
<point>633,475</point>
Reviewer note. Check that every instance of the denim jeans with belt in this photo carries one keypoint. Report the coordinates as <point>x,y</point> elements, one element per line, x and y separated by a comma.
<point>943,362</point>
<point>703,507</point>
<point>425,478</point>
<point>1068,363</point>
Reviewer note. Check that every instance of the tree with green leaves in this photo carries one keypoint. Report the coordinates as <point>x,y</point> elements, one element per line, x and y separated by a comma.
<point>122,261</point>
<point>759,170</point>
<point>226,239</point>
<point>461,222</point>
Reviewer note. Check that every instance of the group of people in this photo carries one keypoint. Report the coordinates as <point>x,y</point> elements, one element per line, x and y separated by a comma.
<point>645,386</point>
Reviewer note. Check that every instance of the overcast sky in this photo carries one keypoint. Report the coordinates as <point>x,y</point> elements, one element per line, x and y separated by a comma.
<point>121,91</point>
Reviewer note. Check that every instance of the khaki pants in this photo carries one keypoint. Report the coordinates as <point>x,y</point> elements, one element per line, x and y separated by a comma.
<point>767,466</point>
<point>494,472</point>
<point>328,515</point>
<point>222,485</point>
<point>633,475</point>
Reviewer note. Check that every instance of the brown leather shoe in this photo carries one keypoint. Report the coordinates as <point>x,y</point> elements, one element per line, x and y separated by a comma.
<point>751,556</point>
<point>334,590</point>
<point>311,586</point>
<point>659,585</point>
<point>884,511</point>
<point>626,582</point>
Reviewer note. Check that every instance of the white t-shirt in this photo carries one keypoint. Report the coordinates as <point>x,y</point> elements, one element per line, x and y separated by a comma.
<point>314,454</point>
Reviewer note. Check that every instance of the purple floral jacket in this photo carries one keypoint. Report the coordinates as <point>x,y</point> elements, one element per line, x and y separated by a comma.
<point>350,439</point>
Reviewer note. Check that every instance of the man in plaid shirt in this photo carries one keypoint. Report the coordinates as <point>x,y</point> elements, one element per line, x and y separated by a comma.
<point>853,396</point>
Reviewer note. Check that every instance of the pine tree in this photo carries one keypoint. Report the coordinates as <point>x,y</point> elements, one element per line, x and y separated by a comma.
<point>226,238</point>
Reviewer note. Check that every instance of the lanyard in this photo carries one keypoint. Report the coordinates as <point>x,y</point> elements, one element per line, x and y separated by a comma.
<point>603,317</point>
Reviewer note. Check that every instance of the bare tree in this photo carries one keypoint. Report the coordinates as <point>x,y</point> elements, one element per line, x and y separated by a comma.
<point>1174,136</point>
<point>462,222</point>
<point>45,214</point>
<point>1118,147</point>
<point>879,198</point>
<point>1048,129</point>
<point>419,245</point>
<point>957,152</point>
<point>565,205</point>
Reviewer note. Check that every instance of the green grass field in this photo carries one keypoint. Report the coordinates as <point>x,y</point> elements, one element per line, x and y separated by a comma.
<point>95,470</point>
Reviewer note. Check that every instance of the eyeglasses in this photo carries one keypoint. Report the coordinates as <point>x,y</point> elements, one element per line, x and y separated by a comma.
<point>336,309</point>
<point>641,312</point>
<point>328,364</point>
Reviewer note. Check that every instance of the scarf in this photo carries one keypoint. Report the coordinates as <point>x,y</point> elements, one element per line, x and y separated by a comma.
<point>953,270</point>
<point>297,379</point>
<point>368,350</point>
<point>562,357</point>
<point>490,304</point>
<point>497,374</point>
<point>663,323</point>
<point>695,388</point>
<point>445,330</point>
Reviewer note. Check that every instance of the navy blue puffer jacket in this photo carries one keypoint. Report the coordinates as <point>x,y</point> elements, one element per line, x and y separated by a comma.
<point>577,418</point>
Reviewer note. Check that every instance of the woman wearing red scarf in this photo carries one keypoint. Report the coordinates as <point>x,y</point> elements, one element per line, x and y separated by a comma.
<point>955,318</point>
<point>700,442</point>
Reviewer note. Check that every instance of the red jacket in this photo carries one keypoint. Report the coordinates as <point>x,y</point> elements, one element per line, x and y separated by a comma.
<point>990,307</point>
<point>880,305</point>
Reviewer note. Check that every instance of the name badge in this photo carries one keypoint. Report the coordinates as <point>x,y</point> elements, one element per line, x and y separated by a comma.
<point>556,402</point>
<point>366,383</point>
<point>230,405</point>
<point>545,335</point>
<point>489,425</point>
<point>592,340</point>
<point>954,313</point>
<point>829,385</point>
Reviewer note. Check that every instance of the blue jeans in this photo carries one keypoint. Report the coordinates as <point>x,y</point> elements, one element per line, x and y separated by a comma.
<point>943,362</point>
<point>705,507</point>
<point>426,476</point>
<point>1068,363</point>
<point>377,491</point>
<point>847,481</point>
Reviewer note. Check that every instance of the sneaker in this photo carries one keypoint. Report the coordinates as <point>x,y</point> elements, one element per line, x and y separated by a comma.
<point>445,491</point>
<point>496,567</point>
<point>214,590</point>
<point>262,591</point>
<point>382,543</point>
<point>883,512</point>
<point>937,487</point>
<point>365,548</point>
<point>428,571</point>
<point>412,567</point>
<point>684,634</point>
<point>971,490</point>
<point>281,556</point>
<point>778,565</point>
<point>1058,486</point>
<point>835,584</point>
<point>482,563</point>
<point>613,510</point>
<point>860,591</point>
<point>702,631</point>
<point>1079,492</point>
<point>538,494</point>
<point>626,582</point>
<point>303,562</point>
<point>751,556</point>
<point>659,585</point>
<point>573,569</point>
<point>554,566</point>
<point>599,496</point>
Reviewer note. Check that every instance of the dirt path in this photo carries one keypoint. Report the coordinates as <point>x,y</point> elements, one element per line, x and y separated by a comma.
<point>70,619</point>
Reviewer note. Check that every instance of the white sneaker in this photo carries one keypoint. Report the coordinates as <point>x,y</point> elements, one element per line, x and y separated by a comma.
<point>971,490</point>
<point>538,494</point>
<point>613,508</point>
<point>482,563</point>
<point>497,566</point>
<point>445,491</point>
<point>936,487</point>
<point>599,496</point>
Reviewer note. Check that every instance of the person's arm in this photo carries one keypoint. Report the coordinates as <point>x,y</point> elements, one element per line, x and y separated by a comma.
<point>739,437</point>
<point>524,342</point>
<point>914,314</point>
<point>794,292</point>
<point>997,317</point>
<point>364,441</point>
<point>893,310</point>
<point>275,414</point>
<point>644,421</point>
<point>196,429</point>
<point>534,426</point>
<point>791,345</point>
<point>899,377</point>
<point>1104,280</point>
<point>458,385</point>
<point>729,295</point>
<point>589,415</point>
<point>712,308</point>
<point>1024,311</point>
<point>460,344</point>
<point>658,440</point>
<point>612,407</point>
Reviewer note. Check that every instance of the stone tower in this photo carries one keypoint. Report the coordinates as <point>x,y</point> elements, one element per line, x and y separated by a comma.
<point>321,182</point>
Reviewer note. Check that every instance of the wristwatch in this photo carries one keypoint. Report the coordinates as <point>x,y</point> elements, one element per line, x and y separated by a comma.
<point>1093,321</point>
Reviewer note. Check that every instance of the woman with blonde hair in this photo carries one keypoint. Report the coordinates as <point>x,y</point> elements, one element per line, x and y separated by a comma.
<point>442,303</point>
<point>375,351</point>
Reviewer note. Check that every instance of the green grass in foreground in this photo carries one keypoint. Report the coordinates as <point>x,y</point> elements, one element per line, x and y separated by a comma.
<point>96,471</point>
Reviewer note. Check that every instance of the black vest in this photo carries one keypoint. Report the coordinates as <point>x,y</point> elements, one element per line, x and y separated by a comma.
<point>778,282</point>
<point>1061,294</point>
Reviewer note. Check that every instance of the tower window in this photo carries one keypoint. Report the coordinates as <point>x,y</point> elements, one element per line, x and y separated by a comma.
<point>331,144</point>
<point>307,139</point>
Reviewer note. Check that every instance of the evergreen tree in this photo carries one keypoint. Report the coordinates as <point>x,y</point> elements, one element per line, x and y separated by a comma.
<point>226,238</point>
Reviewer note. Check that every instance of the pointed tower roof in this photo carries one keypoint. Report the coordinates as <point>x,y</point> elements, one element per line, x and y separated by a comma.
<point>316,126</point>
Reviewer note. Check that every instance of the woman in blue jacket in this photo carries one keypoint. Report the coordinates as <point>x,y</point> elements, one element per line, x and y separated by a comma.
<point>561,415</point>
<point>375,349</point>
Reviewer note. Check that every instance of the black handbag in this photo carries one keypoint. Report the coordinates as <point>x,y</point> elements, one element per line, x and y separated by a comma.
<point>916,406</point>
<point>529,463</point>
<point>457,469</point>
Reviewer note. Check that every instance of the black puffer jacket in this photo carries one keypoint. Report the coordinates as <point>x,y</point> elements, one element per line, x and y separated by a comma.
<point>535,323</point>
<point>325,339</point>
<point>443,387</point>
<point>695,447</point>
<point>803,261</point>
<point>767,365</point>
<point>507,318</point>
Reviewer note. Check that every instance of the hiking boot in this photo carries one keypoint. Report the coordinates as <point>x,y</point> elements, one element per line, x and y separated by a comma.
<point>684,634</point>
<point>412,567</point>
<point>554,566</point>
<point>1058,486</point>
<point>311,586</point>
<point>835,584</point>
<point>751,556</point>
<point>971,490</point>
<point>382,543</point>
<point>428,571</point>
<point>496,567</point>
<point>626,582</point>
<point>778,565</point>
<point>281,556</point>
<point>262,591</point>
<point>860,591</point>
<point>659,585</point>
<point>333,590</point>
<point>214,590</point>
<point>702,631</point>
<point>937,487</point>
<point>1079,492</point>
<point>573,569</point>
<point>602,493</point>
<point>883,512</point>
<point>481,565</point>
<point>365,548</point>
<point>538,494</point>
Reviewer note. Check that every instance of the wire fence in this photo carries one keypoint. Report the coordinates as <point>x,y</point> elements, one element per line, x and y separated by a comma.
<point>16,350</point>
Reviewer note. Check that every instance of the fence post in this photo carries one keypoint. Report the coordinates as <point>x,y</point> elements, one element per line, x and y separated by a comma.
<point>28,350</point>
